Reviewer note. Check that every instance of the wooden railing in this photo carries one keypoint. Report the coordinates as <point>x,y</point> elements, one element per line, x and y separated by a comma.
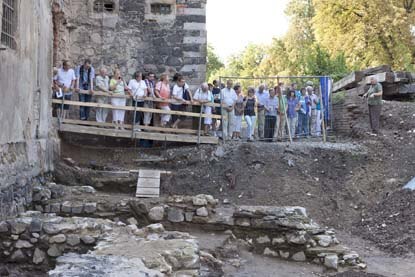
<point>151,132</point>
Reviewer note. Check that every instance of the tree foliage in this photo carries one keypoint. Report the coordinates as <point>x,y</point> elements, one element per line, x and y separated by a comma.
<point>332,37</point>
<point>213,62</point>
<point>369,33</point>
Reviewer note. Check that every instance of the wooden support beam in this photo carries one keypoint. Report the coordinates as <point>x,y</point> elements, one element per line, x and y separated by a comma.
<point>377,69</point>
<point>138,135</point>
<point>129,108</point>
<point>129,126</point>
<point>349,81</point>
<point>159,100</point>
<point>384,77</point>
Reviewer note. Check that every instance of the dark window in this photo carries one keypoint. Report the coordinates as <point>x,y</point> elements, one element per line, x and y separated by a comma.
<point>104,6</point>
<point>8,24</point>
<point>161,8</point>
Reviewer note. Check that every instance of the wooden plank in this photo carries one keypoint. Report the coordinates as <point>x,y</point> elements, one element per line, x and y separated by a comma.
<point>129,126</point>
<point>159,100</point>
<point>138,135</point>
<point>147,183</point>
<point>147,195</point>
<point>151,191</point>
<point>145,173</point>
<point>384,77</point>
<point>377,69</point>
<point>349,81</point>
<point>130,108</point>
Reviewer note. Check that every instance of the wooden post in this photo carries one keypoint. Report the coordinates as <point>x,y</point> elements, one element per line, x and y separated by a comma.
<point>62,111</point>
<point>134,117</point>
<point>221,109</point>
<point>286,121</point>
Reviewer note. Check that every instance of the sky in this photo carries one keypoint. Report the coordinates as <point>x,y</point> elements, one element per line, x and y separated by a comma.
<point>233,24</point>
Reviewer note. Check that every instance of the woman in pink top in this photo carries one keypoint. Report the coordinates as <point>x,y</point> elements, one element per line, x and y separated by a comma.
<point>162,90</point>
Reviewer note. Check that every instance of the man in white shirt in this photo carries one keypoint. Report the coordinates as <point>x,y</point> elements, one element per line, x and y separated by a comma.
<point>65,79</point>
<point>204,96</point>
<point>229,98</point>
<point>261,96</point>
<point>138,88</point>
<point>178,97</point>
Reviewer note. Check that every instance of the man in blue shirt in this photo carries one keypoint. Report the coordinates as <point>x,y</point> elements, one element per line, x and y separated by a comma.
<point>85,75</point>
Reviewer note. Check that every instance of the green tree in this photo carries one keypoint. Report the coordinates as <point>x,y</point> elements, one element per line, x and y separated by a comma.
<point>214,63</point>
<point>369,33</point>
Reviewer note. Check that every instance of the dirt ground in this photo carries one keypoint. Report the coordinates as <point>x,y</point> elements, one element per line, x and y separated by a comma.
<point>352,184</point>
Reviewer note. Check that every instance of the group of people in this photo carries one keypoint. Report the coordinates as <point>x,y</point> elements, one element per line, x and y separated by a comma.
<point>269,113</point>
<point>144,89</point>
<point>276,113</point>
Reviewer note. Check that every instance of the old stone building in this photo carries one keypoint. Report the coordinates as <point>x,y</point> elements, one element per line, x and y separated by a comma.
<point>26,146</point>
<point>148,35</point>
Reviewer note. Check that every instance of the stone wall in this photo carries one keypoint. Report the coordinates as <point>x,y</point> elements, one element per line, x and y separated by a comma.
<point>347,109</point>
<point>26,147</point>
<point>132,37</point>
<point>282,232</point>
<point>42,240</point>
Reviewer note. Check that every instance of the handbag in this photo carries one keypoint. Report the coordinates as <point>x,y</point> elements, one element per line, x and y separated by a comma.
<point>186,94</point>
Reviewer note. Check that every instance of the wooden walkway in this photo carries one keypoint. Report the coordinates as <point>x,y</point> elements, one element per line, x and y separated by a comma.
<point>130,130</point>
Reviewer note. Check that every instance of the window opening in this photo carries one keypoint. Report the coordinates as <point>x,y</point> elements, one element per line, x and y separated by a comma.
<point>104,6</point>
<point>161,8</point>
<point>8,24</point>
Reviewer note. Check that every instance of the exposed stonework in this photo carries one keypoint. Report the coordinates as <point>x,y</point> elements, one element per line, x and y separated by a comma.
<point>40,239</point>
<point>132,37</point>
<point>26,144</point>
<point>284,232</point>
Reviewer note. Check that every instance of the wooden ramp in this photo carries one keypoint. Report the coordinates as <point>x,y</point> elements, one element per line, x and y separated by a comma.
<point>148,183</point>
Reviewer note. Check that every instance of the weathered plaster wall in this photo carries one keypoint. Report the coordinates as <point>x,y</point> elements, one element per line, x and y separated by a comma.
<point>133,38</point>
<point>26,149</point>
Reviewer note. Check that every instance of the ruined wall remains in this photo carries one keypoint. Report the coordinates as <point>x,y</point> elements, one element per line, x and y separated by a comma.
<point>26,149</point>
<point>347,108</point>
<point>149,35</point>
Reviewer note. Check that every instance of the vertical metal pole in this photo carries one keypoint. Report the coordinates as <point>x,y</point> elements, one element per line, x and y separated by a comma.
<point>200,125</point>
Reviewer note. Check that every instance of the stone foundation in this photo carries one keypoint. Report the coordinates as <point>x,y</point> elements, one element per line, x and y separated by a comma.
<point>46,239</point>
<point>283,232</point>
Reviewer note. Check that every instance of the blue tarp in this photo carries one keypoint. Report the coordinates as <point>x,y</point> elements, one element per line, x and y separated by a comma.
<point>326,85</point>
